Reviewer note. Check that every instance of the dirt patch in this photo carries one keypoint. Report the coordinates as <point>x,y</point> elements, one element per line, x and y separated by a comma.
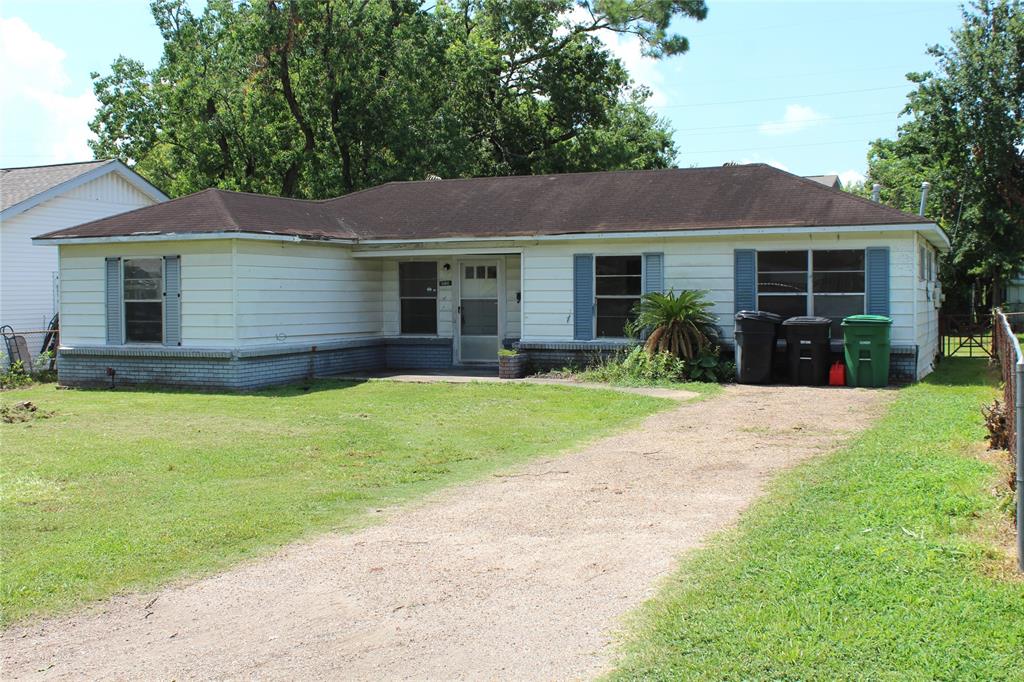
<point>524,575</point>
<point>24,411</point>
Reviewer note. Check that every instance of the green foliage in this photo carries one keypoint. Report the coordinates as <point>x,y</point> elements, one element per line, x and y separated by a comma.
<point>15,376</point>
<point>637,367</point>
<point>866,564</point>
<point>507,353</point>
<point>129,488</point>
<point>681,324</point>
<point>964,133</point>
<point>317,98</point>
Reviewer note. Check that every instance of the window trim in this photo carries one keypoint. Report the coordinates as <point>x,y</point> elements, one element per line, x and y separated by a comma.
<point>593,284</point>
<point>162,301</point>
<point>434,298</point>
<point>811,293</point>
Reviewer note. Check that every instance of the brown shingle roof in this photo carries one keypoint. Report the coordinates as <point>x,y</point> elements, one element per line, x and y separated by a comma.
<point>19,184</point>
<point>750,196</point>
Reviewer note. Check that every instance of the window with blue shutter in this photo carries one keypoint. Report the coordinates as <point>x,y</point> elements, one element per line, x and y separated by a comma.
<point>876,294</point>
<point>654,273</point>
<point>172,300</point>
<point>583,296</point>
<point>745,279</point>
<point>115,336</point>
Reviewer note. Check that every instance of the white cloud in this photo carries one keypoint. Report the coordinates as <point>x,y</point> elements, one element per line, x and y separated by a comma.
<point>48,124</point>
<point>628,50</point>
<point>849,177</point>
<point>796,118</point>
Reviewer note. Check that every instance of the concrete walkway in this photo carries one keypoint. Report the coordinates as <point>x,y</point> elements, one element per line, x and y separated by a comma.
<point>525,575</point>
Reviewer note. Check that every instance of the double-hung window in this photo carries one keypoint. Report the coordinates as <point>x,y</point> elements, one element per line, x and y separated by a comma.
<point>618,284</point>
<point>143,300</point>
<point>823,283</point>
<point>417,293</point>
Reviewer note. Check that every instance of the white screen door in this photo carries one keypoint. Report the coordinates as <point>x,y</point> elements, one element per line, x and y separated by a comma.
<point>478,311</point>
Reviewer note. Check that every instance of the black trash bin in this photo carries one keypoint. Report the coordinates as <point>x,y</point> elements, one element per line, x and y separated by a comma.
<point>756,331</point>
<point>807,350</point>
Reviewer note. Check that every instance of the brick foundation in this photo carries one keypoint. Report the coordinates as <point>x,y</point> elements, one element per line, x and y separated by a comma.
<point>248,368</point>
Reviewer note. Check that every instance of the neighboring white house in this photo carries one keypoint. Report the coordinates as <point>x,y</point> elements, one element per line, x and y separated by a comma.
<point>241,290</point>
<point>1014,297</point>
<point>46,198</point>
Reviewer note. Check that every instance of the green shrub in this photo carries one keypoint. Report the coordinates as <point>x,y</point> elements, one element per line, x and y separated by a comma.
<point>636,367</point>
<point>15,376</point>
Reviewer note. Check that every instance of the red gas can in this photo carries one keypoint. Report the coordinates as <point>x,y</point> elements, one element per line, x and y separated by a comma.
<point>837,374</point>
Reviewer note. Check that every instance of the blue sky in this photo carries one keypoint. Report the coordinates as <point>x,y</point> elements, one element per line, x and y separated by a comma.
<point>801,85</point>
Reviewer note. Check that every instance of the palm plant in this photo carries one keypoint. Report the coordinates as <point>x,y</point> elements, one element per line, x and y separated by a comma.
<point>681,324</point>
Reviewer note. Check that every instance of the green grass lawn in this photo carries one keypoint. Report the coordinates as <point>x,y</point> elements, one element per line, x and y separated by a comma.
<point>125,489</point>
<point>870,564</point>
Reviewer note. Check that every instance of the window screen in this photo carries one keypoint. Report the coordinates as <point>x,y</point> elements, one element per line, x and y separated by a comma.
<point>824,283</point>
<point>417,292</point>
<point>782,282</point>
<point>143,300</point>
<point>617,290</point>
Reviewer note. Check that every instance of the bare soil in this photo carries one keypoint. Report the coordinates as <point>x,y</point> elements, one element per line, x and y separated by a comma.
<point>524,575</point>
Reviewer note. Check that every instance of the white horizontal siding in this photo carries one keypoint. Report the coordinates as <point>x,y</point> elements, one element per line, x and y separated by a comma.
<point>705,264</point>
<point>207,295</point>
<point>27,270</point>
<point>312,293</point>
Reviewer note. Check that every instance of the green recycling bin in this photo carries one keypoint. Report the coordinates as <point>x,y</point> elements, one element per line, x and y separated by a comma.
<point>866,341</point>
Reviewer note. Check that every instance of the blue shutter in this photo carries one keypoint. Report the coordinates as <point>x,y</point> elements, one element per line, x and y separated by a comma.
<point>654,273</point>
<point>745,279</point>
<point>172,300</point>
<point>583,296</point>
<point>115,336</point>
<point>876,280</point>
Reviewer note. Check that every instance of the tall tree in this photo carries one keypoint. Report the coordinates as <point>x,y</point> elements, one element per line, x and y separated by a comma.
<point>965,135</point>
<point>316,98</point>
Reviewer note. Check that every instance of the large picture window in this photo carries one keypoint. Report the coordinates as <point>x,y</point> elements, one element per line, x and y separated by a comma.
<point>618,284</point>
<point>417,292</point>
<point>143,300</point>
<point>824,283</point>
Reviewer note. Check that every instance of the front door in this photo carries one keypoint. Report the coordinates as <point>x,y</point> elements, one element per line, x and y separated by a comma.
<point>478,310</point>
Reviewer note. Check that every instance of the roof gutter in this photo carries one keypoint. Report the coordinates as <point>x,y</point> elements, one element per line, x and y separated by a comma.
<point>186,236</point>
<point>931,231</point>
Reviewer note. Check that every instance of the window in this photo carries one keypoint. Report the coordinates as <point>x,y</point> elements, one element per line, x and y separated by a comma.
<point>824,283</point>
<point>782,282</point>
<point>417,293</point>
<point>838,286</point>
<point>143,300</point>
<point>481,272</point>
<point>617,289</point>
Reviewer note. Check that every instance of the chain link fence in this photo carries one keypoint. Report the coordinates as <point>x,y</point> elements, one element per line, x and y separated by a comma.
<point>1006,349</point>
<point>35,349</point>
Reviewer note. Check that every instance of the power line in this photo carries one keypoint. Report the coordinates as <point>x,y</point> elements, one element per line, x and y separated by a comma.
<point>775,99</point>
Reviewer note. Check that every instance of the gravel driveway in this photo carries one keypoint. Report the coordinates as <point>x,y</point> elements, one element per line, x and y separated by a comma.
<point>524,575</point>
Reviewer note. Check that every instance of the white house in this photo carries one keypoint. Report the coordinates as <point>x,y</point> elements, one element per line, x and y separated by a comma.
<point>46,198</point>
<point>239,290</point>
